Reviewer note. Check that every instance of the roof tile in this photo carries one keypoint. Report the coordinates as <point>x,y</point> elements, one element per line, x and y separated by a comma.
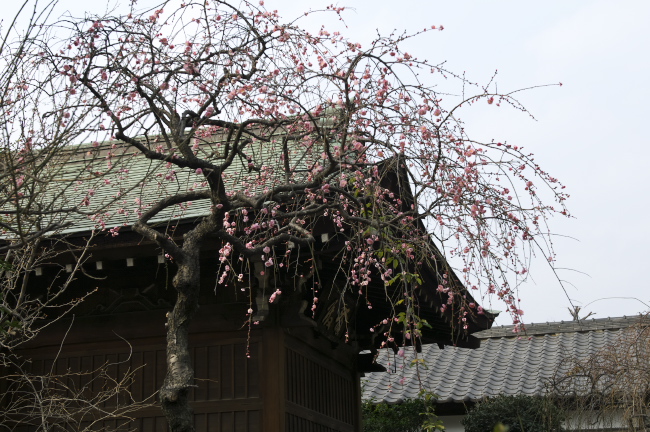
<point>506,362</point>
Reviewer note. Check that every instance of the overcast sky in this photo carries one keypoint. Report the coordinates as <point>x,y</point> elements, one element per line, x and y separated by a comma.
<point>591,133</point>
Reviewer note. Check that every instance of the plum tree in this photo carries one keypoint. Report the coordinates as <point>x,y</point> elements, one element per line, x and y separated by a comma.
<point>273,129</point>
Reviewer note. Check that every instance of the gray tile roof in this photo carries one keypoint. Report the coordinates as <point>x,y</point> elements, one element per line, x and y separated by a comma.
<point>506,363</point>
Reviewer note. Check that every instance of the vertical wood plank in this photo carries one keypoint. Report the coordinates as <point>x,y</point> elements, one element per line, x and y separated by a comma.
<point>149,372</point>
<point>254,421</point>
<point>161,368</point>
<point>226,422</point>
<point>161,424</point>
<point>147,424</point>
<point>201,365</point>
<point>241,422</point>
<point>227,372</point>
<point>137,389</point>
<point>213,422</point>
<point>214,374</point>
<point>201,422</point>
<point>253,370</point>
<point>240,375</point>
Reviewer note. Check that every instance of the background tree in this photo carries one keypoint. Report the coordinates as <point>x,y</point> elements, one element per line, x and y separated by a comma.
<point>37,199</point>
<point>266,129</point>
<point>38,204</point>
<point>610,386</point>
<point>86,400</point>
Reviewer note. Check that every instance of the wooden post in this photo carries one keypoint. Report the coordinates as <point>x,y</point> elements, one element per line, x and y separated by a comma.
<point>273,380</point>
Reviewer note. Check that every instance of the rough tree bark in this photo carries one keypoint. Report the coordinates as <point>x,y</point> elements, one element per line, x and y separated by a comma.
<point>180,375</point>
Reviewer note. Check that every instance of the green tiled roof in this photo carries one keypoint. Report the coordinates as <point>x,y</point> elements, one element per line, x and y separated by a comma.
<point>110,182</point>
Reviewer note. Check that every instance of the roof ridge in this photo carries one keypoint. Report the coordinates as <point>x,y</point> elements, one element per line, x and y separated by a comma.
<point>531,329</point>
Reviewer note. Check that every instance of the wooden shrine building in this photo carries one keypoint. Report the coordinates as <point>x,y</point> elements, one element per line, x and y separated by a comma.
<point>288,369</point>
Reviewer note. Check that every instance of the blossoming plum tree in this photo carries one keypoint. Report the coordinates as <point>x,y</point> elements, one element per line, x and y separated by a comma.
<point>278,129</point>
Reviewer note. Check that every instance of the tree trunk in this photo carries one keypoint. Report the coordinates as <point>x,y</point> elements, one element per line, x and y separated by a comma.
<point>180,375</point>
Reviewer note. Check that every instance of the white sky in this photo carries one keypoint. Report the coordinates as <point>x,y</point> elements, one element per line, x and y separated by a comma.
<point>590,133</point>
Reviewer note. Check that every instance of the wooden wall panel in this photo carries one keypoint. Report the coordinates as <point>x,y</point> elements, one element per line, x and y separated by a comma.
<point>226,397</point>
<point>224,372</point>
<point>298,424</point>
<point>232,421</point>
<point>311,389</point>
<point>319,398</point>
